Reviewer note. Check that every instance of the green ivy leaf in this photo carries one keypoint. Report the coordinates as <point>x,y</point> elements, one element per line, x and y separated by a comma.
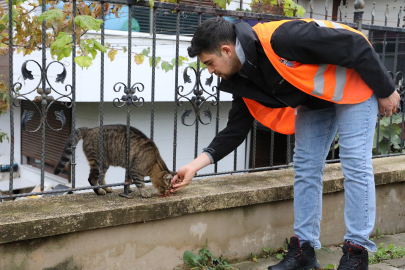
<point>4,19</point>
<point>166,66</point>
<point>61,41</point>
<point>289,7</point>
<point>180,62</point>
<point>157,60</point>
<point>190,259</point>
<point>84,46</point>
<point>146,52</point>
<point>2,27</point>
<point>182,58</point>
<point>17,2</point>
<point>280,256</point>
<point>396,141</point>
<point>61,47</point>
<point>88,22</point>
<point>385,121</point>
<point>300,11</point>
<point>151,3</point>
<point>50,15</point>
<point>124,49</point>
<point>222,3</point>
<point>194,65</point>
<point>3,136</point>
<point>97,45</point>
<point>383,147</point>
<point>65,52</point>
<point>83,61</point>
<point>93,52</point>
<point>385,131</point>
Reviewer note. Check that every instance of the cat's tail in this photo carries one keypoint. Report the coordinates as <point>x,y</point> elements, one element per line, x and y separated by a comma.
<point>74,138</point>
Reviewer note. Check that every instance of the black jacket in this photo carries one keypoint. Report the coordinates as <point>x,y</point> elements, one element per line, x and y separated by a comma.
<point>305,43</point>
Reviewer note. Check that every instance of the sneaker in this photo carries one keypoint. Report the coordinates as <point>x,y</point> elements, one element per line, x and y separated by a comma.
<point>354,258</point>
<point>298,257</point>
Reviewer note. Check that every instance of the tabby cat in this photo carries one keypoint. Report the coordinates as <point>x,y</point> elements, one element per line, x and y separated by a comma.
<point>144,159</point>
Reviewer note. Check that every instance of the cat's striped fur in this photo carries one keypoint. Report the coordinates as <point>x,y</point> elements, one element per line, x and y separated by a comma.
<point>144,159</point>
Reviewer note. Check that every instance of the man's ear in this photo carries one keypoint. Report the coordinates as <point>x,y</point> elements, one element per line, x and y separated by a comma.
<point>227,50</point>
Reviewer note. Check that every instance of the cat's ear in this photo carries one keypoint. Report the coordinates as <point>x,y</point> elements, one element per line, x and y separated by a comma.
<point>168,177</point>
<point>173,173</point>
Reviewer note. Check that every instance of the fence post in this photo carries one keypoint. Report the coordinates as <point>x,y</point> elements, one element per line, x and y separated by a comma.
<point>358,13</point>
<point>311,5</point>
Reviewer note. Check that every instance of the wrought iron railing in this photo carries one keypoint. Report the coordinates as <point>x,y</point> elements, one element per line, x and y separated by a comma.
<point>194,99</point>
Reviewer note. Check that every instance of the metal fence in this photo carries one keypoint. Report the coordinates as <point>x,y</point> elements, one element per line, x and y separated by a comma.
<point>132,97</point>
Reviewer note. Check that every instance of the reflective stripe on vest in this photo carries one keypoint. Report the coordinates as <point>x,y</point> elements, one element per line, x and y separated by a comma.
<point>340,73</point>
<point>319,82</point>
<point>329,82</point>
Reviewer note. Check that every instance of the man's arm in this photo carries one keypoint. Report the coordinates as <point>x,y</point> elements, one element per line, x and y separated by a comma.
<point>239,123</point>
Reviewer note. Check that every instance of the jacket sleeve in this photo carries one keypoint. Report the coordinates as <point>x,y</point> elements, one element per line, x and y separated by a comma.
<point>239,123</point>
<point>309,43</point>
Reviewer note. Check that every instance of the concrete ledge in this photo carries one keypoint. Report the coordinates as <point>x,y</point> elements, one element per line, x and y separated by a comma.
<point>29,219</point>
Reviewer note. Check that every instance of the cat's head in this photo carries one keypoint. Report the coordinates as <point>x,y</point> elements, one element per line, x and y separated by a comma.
<point>164,183</point>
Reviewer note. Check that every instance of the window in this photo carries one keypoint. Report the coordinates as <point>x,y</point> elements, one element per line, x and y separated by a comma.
<point>31,143</point>
<point>165,20</point>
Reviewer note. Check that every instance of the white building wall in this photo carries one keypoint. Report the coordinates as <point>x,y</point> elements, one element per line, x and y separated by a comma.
<point>88,80</point>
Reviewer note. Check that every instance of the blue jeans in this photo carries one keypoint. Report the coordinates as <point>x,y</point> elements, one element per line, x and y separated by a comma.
<point>314,132</point>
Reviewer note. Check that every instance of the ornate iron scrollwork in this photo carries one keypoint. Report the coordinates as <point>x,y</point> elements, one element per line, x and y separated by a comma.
<point>44,99</point>
<point>197,99</point>
<point>129,98</point>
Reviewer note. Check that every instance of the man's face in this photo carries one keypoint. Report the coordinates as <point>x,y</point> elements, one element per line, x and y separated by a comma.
<point>224,65</point>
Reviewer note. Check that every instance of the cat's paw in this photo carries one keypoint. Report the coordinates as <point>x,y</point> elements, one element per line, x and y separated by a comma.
<point>108,189</point>
<point>145,193</point>
<point>100,191</point>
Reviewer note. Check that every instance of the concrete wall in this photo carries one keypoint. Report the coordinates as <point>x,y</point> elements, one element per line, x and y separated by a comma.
<point>238,215</point>
<point>234,233</point>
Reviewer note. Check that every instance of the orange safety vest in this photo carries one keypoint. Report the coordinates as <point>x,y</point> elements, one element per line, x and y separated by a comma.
<point>329,82</point>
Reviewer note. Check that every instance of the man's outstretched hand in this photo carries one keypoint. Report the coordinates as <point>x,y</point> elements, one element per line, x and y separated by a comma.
<point>388,106</point>
<point>186,173</point>
<point>183,177</point>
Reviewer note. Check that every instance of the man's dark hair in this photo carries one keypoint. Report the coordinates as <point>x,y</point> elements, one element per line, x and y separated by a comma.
<point>210,36</point>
